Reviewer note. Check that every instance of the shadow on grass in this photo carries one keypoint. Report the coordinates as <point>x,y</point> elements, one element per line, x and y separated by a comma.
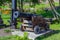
<point>48,35</point>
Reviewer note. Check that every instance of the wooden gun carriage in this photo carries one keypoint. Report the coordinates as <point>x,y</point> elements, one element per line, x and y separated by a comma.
<point>33,22</point>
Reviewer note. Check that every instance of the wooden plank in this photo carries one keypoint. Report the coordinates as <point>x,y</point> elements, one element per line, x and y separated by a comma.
<point>27,25</point>
<point>26,21</point>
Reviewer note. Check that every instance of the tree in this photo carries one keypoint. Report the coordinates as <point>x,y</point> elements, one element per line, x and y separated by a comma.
<point>1,2</point>
<point>35,1</point>
<point>57,15</point>
<point>59,2</point>
<point>22,5</point>
<point>4,1</point>
<point>8,1</point>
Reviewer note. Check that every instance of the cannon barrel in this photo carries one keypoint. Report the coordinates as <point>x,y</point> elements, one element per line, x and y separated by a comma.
<point>26,15</point>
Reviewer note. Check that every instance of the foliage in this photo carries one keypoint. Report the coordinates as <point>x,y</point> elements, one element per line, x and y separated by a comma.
<point>4,1</point>
<point>7,1</point>
<point>27,0</point>
<point>19,25</point>
<point>43,0</point>
<point>4,7</point>
<point>1,2</point>
<point>35,1</point>
<point>25,37</point>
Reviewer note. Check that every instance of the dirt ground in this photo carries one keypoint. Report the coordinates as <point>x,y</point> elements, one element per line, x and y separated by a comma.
<point>3,33</point>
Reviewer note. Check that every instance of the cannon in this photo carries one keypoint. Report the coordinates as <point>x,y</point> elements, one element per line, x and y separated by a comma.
<point>31,22</point>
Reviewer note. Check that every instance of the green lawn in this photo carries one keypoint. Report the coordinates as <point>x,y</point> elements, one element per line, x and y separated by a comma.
<point>51,36</point>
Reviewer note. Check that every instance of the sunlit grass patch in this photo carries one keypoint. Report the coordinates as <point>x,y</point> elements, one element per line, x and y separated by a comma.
<point>55,35</point>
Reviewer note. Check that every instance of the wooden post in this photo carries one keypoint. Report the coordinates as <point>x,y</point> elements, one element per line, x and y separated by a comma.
<point>14,8</point>
<point>59,2</point>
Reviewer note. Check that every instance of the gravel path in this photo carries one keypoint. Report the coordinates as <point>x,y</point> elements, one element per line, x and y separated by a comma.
<point>2,33</point>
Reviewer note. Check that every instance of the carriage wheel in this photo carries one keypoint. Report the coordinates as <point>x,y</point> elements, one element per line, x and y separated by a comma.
<point>37,29</point>
<point>47,26</point>
<point>22,28</point>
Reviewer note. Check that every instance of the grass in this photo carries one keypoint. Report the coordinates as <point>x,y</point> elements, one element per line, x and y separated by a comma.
<point>5,18</point>
<point>51,36</point>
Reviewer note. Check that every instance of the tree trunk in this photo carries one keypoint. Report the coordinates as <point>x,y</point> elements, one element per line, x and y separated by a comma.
<point>55,12</point>
<point>59,2</point>
<point>21,5</point>
<point>51,8</point>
